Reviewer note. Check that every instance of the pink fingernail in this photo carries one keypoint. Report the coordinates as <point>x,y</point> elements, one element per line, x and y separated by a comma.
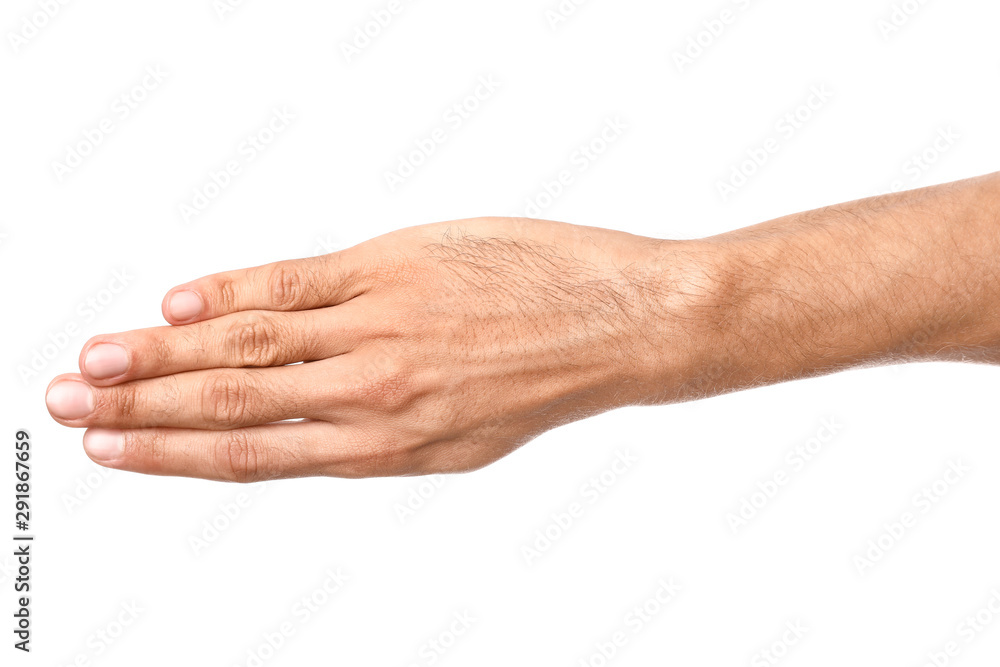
<point>103,445</point>
<point>184,305</point>
<point>70,399</point>
<point>106,360</point>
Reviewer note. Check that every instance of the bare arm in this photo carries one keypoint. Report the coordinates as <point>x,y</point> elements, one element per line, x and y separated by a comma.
<point>446,346</point>
<point>913,276</point>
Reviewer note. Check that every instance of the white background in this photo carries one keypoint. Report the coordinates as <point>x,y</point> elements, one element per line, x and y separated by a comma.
<point>105,542</point>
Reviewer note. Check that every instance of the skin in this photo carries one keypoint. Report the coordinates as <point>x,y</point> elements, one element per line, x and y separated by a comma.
<point>444,347</point>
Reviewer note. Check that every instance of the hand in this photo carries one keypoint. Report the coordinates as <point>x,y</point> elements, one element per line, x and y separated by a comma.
<point>432,349</point>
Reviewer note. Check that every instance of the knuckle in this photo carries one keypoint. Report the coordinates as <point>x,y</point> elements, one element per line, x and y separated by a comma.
<point>387,386</point>
<point>254,343</point>
<point>156,447</point>
<point>374,457</point>
<point>342,267</point>
<point>226,289</point>
<point>120,402</point>
<point>286,286</point>
<point>139,404</point>
<point>225,399</point>
<point>391,269</point>
<point>239,458</point>
<point>149,447</point>
<point>160,351</point>
<point>395,392</point>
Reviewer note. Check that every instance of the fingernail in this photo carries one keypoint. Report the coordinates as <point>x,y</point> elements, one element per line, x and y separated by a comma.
<point>70,399</point>
<point>106,360</point>
<point>184,306</point>
<point>103,445</point>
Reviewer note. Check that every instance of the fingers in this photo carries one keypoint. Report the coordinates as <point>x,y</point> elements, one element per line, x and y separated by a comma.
<point>209,399</point>
<point>298,284</point>
<point>253,454</point>
<point>224,424</point>
<point>294,449</point>
<point>257,338</point>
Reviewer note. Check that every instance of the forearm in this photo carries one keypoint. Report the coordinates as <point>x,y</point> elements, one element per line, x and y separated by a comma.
<point>903,277</point>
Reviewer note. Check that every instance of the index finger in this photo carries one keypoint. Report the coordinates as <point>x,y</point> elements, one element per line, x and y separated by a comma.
<point>296,284</point>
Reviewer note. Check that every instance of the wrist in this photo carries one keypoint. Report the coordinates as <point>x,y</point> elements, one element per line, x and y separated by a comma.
<point>684,304</point>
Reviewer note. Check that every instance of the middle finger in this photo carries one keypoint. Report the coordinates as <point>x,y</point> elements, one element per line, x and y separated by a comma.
<point>217,399</point>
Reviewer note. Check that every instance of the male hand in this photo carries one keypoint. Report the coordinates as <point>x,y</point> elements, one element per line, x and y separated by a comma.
<point>433,349</point>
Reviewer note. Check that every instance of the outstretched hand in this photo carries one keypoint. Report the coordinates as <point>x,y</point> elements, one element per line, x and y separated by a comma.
<point>438,348</point>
